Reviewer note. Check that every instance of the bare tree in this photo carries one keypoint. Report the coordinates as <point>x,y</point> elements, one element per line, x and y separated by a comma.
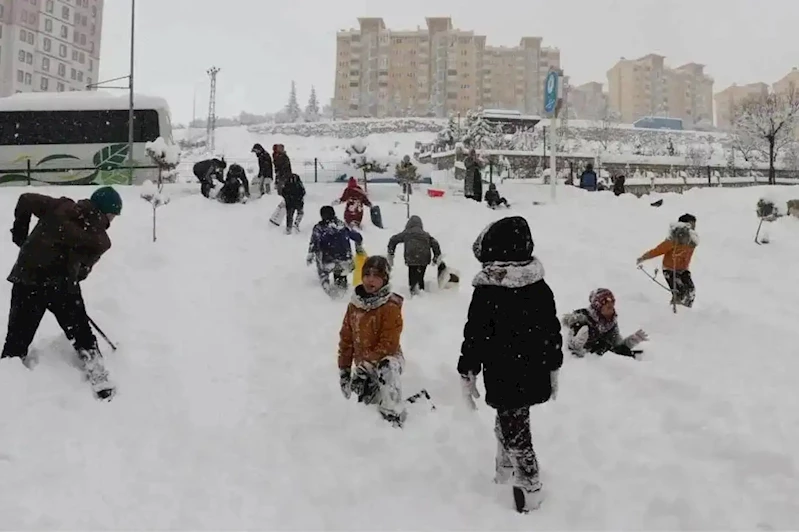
<point>766,124</point>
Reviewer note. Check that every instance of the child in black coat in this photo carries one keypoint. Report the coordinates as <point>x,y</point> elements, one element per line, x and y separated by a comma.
<point>596,330</point>
<point>513,334</point>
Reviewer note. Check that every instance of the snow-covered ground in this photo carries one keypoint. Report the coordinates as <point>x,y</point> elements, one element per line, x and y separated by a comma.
<point>229,415</point>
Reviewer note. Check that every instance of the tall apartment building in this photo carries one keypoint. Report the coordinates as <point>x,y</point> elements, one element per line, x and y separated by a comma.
<point>729,98</point>
<point>588,101</point>
<point>792,78</point>
<point>437,70</point>
<point>647,87</point>
<point>49,45</point>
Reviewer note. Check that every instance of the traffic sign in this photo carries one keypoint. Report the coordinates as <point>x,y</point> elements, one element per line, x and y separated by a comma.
<point>551,92</point>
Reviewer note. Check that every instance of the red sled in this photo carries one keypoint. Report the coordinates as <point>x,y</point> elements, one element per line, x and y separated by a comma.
<point>435,193</point>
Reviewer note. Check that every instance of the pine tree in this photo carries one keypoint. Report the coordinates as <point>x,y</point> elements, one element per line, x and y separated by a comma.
<point>312,109</point>
<point>293,111</point>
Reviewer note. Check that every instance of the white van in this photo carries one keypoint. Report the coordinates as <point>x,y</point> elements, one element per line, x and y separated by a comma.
<point>78,138</point>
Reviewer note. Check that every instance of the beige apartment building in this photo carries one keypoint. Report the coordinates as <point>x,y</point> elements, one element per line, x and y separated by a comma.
<point>647,87</point>
<point>435,70</point>
<point>49,45</point>
<point>729,98</point>
<point>784,84</point>
<point>588,101</point>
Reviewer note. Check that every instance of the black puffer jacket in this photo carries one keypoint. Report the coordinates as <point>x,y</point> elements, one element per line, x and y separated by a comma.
<point>512,332</point>
<point>294,193</point>
<point>418,243</point>
<point>265,169</point>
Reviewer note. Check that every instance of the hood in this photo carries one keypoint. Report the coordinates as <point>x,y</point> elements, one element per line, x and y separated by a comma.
<point>352,183</point>
<point>510,274</point>
<point>681,233</point>
<point>414,222</point>
<point>257,148</point>
<point>506,240</point>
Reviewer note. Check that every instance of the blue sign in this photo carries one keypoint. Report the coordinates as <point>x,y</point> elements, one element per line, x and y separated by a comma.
<point>551,92</point>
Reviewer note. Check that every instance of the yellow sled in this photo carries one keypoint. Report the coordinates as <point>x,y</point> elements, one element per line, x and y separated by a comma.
<point>357,274</point>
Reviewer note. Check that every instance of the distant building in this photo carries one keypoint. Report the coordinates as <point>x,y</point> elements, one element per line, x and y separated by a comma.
<point>435,71</point>
<point>729,98</point>
<point>49,45</point>
<point>588,101</point>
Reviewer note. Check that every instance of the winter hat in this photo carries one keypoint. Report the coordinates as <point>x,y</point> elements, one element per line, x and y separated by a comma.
<point>600,297</point>
<point>687,218</point>
<point>327,212</point>
<point>492,186</point>
<point>257,148</point>
<point>107,200</point>
<point>378,265</point>
<point>506,240</point>
<point>352,183</point>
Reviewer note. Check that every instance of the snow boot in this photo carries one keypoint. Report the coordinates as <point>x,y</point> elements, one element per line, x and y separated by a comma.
<point>96,374</point>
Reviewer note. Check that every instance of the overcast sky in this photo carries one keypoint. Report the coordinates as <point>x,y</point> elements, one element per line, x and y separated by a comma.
<point>261,45</point>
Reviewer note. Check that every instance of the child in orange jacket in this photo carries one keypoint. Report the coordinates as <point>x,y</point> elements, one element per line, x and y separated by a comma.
<point>370,340</point>
<point>677,251</point>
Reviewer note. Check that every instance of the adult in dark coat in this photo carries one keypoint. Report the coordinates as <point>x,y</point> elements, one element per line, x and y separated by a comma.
<point>208,170</point>
<point>588,179</point>
<point>265,170</point>
<point>618,185</point>
<point>474,179</point>
<point>282,166</point>
<point>513,335</point>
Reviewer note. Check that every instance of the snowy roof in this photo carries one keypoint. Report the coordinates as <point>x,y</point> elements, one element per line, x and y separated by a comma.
<point>78,101</point>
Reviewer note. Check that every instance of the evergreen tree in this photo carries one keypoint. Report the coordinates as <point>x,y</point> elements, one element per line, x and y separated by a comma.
<point>293,110</point>
<point>312,109</point>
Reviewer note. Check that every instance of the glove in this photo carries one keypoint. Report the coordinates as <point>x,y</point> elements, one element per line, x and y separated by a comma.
<point>639,260</point>
<point>577,342</point>
<point>309,259</point>
<point>636,338</point>
<point>553,381</point>
<point>390,259</point>
<point>359,249</point>
<point>469,388</point>
<point>345,382</point>
<point>19,232</point>
<point>436,260</point>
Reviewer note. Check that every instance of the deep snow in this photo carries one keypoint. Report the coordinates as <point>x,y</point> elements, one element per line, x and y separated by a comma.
<point>229,415</point>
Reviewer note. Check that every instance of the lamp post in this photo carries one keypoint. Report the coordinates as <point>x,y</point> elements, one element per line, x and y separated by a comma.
<point>130,86</point>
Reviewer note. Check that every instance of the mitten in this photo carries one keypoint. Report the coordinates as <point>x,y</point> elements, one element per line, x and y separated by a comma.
<point>553,381</point>
<point>636,338</point>
<point>436,260</point>
<point>570,319</point>
<point>577,342</point>
<point>359,249</point>
<point>345,381</point>
<point>469,388</point>
<point>19,232</point>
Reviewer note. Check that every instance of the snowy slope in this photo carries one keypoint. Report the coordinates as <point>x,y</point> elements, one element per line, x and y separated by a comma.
<point>229,414</point>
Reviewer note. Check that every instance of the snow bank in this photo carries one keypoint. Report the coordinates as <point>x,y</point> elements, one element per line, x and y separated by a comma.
<point>163,153</point>
<point>229,414</point>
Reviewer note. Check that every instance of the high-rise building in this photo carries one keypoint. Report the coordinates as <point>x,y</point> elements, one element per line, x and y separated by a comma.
<point>647,87</point>
<point>588,101</point>
<point>49,45</point>
<point>785,83</point>
<point>437,70</point>
<point>729,98</point>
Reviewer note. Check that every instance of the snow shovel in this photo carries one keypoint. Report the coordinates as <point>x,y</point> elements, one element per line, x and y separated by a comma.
<point>653,277</point>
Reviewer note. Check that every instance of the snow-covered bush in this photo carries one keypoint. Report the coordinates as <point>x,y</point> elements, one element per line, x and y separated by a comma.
<point>166,157</point>
<point>362,162</point>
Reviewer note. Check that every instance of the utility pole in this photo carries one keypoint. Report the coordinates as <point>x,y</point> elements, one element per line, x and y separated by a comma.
<point>211,126</point>
<point>130,86</point>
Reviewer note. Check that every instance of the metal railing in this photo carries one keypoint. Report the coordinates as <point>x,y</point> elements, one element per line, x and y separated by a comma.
<point>29,174</point>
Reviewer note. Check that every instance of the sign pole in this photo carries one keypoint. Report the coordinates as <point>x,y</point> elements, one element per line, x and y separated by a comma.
<point>551,101</point>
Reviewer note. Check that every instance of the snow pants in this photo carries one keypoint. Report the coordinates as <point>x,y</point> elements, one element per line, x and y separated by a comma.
<point>380,384</point>
<point>416,278</point>
<point>516,458</point>
<point>293,209</point>
<point>682,285</point>
<point>28,305</point>
<point>340,269</point>
<point>353,213</point>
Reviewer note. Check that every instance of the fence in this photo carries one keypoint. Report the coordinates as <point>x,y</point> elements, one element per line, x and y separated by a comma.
<point>106,174</point>
<point>310,170</point>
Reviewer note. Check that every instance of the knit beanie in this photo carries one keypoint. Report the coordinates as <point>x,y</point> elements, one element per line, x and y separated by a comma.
<point>107,200</point>
<point>379,266</point>
<point>600,297</point>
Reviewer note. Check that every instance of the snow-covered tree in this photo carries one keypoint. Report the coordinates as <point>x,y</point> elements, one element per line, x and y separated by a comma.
<point>167,158</point>
<point>312,109</point>
<point>477,130</point>
<point>292,110</point>
<point>605,130</point>
<point>360,160</point>
<point>766,124</point>
<point>697,159</point>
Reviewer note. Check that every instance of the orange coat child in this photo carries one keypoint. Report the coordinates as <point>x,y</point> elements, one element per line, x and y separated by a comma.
<point>370,358</point>
<point>678,250</point>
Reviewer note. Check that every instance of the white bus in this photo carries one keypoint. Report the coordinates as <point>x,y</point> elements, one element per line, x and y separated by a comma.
<point>78,138</point>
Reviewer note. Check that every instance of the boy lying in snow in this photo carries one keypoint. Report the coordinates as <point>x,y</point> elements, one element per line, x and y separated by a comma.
<point>370,339</point>
<point>595,329</point>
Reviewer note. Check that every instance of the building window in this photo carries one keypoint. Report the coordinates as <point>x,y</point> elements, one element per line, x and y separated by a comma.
<point>20,76</point>
<point>47,44</point>
<point>82,58</point>
<point>91,65</point>
<point>50,6</point>
<point>83,39</point>
<point>48,25</point>
<point>28,78</point>
<point>60,87</point>
<point>22,56</point>
<point>62,50</point>
<point>24,16</point>
<point>1,10</point>
<point>46,64</point>
<point>29,58</point>
<point>62,70</point>
<point>80,75</point>
<point>74,55</point>
<point>64,32</point>
<point>65,13</point>
<point>22,35</point>
<point>73,74</point>
<point>30,37</point>
<point>45,83</point>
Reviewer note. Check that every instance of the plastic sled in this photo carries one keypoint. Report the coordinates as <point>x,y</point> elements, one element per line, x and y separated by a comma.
<point>447,277</point>
<point>279,215</point>
<point>357,274</point>
<point>435,193</point>
<point>377,216</point>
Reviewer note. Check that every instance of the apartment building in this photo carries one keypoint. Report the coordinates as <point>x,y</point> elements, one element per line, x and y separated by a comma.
<point>435,70</point>
<point>729,98</point>
<point>791,79</point>
<point>647,87</point>
<point>588,101</point>
<point>49,45</point>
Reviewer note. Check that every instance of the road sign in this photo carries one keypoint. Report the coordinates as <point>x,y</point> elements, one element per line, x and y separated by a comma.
<point>551,92</point>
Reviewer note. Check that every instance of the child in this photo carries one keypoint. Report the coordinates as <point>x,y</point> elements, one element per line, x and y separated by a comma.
<point>595,329</point>
<point>236,188</point>
<point>354,199</point>
<point>370,339</point>
<point>493,199</point>
<point>330,249</point>
<point>418,245</point>
<point>293,193</point>
<point>677,251</point>
<point>512,331</point>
